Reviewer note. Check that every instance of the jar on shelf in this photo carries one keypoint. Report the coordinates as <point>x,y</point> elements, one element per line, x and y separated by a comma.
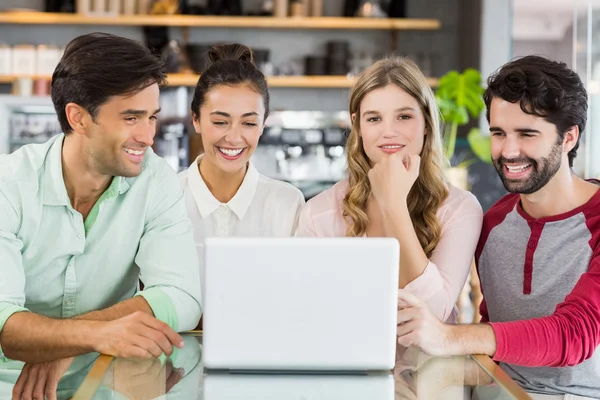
<point>5,60</point>
<point>24,60</point>
<point>298,8</point>
<point>47,59</point>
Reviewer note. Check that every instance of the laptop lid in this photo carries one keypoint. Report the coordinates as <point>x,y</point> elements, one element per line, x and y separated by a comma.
<point>300,303</point>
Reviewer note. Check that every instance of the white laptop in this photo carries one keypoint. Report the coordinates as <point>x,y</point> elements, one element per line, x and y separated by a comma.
<point>300,304</point>
<point>219,386</point>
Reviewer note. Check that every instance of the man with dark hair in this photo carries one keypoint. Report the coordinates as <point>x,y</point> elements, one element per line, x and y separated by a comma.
<point>84,217</point>
<point>539,252</point>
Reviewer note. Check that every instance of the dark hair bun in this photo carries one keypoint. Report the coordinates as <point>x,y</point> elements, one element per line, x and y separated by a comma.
<point>233,52</point>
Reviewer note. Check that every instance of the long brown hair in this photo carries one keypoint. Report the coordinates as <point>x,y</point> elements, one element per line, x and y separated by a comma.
<point>430,189</point>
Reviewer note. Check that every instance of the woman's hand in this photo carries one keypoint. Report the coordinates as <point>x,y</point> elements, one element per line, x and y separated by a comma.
<point>392,178</point>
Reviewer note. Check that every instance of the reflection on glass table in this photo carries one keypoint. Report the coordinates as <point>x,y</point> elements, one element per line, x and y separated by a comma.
<point>275,387</point>
<point>68,385</point>
<point>416,376</point>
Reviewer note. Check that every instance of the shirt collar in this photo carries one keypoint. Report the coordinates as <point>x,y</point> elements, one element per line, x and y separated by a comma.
<point>207,203</point>
<point>55,192</point>
<point>240,203</point>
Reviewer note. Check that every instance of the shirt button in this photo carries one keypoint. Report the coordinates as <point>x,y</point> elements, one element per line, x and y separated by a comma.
<point>80,236</point>
<point>531,245</point>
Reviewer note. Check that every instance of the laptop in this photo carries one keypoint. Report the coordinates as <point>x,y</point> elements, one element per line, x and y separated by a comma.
<point>372,386</point>
<point>300,304</point>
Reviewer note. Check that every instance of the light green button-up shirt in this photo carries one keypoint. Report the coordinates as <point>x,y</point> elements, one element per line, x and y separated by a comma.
<point>55,264</point>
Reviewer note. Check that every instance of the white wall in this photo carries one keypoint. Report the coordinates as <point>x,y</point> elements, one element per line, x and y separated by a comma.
<point>558,50</point>
<point>496,40</point>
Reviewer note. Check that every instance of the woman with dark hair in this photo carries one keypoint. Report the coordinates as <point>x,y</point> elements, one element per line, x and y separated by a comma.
<point>224,193</point>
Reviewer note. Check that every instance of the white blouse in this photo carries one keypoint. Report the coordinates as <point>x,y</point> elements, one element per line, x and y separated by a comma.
<point>261,207</point>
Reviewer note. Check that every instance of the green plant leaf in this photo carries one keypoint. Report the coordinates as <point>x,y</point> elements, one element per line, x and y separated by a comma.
<point>480,145</point>
<point>451,113</point>
<point>459,95</point>
<point>472,75</point>
<point>448,80</point>
<point>447,108</point>
<point>450,141</point>
<point>475,105</point>
<point>464,90</point>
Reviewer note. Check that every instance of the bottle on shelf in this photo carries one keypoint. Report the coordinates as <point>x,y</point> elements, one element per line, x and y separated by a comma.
<point>128,7</point>
<point>99,6</point>
<point>281,8</point>
<point>83,7</point>
<point>316,8</point>
<point>114,7</point>
<point>143,7</point>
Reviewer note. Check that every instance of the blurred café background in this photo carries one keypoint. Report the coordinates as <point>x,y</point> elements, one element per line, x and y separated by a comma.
<point>311,52</point>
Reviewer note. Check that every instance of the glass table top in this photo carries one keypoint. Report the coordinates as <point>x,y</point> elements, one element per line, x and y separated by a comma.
<point>182,376</point>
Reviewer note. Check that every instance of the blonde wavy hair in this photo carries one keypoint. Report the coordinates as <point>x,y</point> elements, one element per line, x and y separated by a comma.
<point>430,189</point>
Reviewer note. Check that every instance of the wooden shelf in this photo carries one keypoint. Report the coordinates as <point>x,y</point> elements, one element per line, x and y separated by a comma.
<point>273,81</point>
<point>42,18</point>
<point>286,81</point>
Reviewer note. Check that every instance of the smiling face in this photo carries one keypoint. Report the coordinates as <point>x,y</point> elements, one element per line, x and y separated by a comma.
<point>526,150</point>
<point>391,121</point>
<point>231,121</point>
<point>124,127</point>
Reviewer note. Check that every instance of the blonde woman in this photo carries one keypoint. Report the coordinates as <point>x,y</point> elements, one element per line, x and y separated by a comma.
<point>396,186</point>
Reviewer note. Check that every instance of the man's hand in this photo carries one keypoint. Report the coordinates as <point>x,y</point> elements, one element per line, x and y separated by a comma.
<point>417,326</point>
<point>137,335</point>
<point>39,380</point>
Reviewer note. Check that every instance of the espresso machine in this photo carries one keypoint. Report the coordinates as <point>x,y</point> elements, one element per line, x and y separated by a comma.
<point>172,140</point>
<point>304,148</point>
